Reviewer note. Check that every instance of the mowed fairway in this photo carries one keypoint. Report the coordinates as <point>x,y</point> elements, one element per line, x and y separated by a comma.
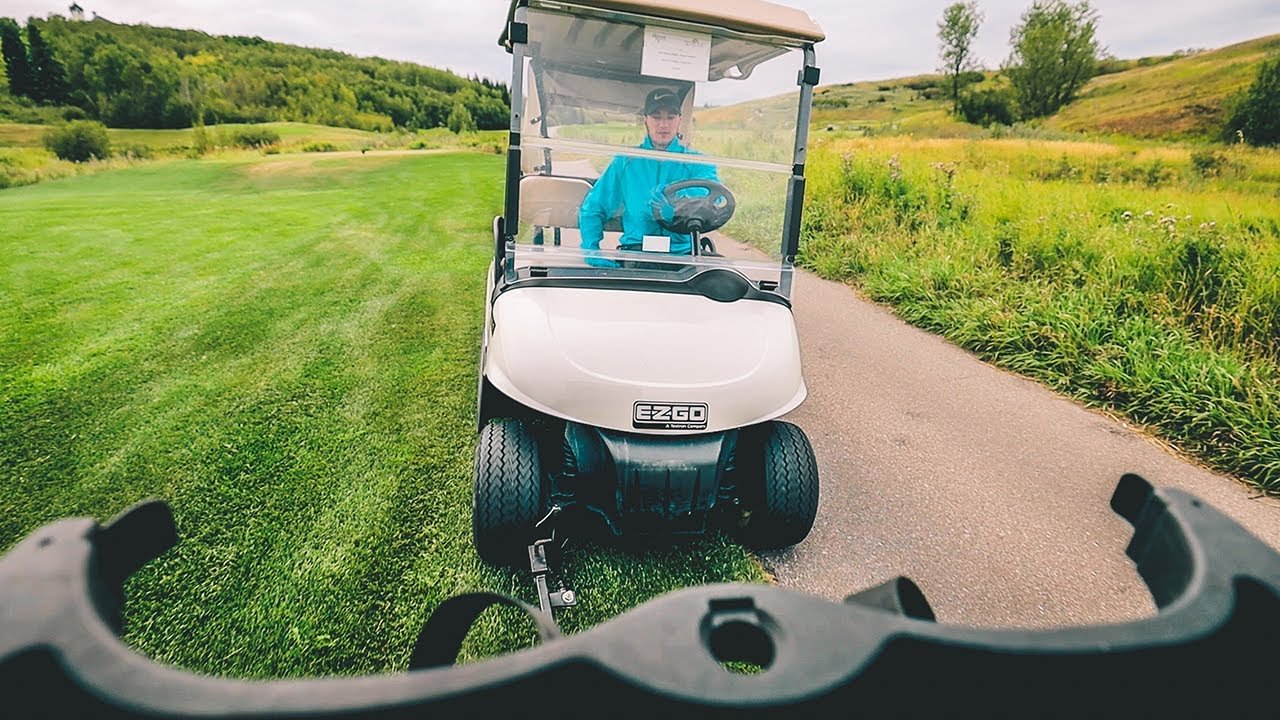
<point>284,349</point>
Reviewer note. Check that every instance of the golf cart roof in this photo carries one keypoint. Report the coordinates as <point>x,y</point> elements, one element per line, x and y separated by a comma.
<point>746,16</point>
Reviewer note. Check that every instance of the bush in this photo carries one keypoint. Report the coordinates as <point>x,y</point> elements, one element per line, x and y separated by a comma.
<point>319,147</point>
<point>923,84</point>
<point>1208,163</point>
<point>987,106</point>
<point>255,137</point>
<point>137,152</point>
<point>24,110</point>
<point>79,141</point>
<point>1062,169</point>
<point>1255,116</point>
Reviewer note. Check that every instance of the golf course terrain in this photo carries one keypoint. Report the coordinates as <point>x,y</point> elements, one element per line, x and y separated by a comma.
<point>282,341</point>
<point>284,348</point>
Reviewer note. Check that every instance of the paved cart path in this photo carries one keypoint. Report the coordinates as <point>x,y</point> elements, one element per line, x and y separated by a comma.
<point>986,489</point>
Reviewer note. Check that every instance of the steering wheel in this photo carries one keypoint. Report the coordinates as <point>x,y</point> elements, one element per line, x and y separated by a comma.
<point>693,214</point>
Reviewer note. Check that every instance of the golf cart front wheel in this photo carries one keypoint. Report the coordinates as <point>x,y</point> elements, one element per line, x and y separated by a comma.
<point>507,493</point>
<point>781,487</point>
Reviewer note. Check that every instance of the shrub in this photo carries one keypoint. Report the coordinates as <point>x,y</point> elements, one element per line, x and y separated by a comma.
<point>255,137</point>
<point>1156,173</point>
<point>987,107</point>
<point>320,146</point>
<point>1062,169</point>
<point>1208,163</point>
<point>137,152</point>
<point>923,84</point>
<point>79,141</point>
<point>201,143</point>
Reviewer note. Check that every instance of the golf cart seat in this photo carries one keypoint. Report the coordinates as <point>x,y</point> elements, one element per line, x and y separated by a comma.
<point>551,201</point>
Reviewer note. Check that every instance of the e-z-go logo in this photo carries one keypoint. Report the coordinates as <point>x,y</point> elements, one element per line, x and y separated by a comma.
<point>669,416</point>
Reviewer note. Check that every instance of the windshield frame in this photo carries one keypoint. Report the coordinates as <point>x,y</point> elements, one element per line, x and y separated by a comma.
<point>521,140</point>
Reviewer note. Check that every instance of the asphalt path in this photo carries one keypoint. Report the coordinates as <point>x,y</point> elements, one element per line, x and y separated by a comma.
<point>986,489</point>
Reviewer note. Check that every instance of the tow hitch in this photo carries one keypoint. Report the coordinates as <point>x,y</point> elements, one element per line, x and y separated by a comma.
<point>544,563</point>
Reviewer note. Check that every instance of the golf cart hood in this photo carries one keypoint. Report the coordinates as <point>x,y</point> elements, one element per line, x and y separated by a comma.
<point>601,356</point>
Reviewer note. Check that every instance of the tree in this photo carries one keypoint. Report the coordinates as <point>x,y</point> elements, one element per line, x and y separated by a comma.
<point>1055,52</point>
<point>460,119</point>
<point>956,32</point>
<point>15,58</point>
<point>48,78</point>
<point>1255,117</point>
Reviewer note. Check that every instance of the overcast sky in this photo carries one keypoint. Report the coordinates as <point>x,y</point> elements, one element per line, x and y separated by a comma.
<point>865,40</point>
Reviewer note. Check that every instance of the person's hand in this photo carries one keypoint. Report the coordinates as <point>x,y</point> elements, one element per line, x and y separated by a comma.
<point>661,206</point>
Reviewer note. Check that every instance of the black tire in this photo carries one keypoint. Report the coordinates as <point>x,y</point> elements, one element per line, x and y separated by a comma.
<point>507,495</point>
<point>779,486</point>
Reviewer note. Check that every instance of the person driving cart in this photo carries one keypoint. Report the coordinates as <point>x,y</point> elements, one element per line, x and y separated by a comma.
<point>633,186</point>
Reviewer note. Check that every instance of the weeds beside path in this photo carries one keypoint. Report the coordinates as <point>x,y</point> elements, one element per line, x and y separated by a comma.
<point>1143,279</point>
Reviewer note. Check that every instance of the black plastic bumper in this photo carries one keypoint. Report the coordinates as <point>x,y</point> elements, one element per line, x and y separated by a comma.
<point>1204,652</point>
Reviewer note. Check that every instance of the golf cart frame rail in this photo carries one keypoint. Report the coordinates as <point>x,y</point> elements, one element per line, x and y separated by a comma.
<point>1217,589</point>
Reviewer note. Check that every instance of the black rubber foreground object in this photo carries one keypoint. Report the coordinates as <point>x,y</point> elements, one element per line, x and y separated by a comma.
<point>1216,631</point>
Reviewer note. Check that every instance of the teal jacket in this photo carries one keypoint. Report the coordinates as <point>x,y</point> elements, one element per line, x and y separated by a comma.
<point>625,188</point>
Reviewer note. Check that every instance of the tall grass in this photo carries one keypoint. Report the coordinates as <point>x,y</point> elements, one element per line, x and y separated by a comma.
<point>1130,277</point>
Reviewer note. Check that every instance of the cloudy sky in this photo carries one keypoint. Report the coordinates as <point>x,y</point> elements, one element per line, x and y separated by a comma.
<point>865,40</point>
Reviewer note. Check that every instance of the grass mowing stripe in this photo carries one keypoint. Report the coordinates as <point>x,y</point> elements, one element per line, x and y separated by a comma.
<point>286,350</point>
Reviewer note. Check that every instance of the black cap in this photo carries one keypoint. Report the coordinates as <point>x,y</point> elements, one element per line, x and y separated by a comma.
<point>660,99</point>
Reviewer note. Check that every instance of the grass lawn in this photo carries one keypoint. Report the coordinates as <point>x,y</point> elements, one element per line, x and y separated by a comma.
<point>26,135</point>
<point>285,349</point>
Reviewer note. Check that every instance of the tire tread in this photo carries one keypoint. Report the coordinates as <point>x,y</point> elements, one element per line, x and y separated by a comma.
<point>507,494</point>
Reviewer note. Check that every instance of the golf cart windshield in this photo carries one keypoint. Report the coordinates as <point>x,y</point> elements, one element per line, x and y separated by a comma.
<point>655,146</point>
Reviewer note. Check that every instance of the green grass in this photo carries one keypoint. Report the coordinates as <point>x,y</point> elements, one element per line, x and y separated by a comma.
<point>1126,276</point>
<point>27,135</point>
<point>284,348</point>
<point>25,161</point>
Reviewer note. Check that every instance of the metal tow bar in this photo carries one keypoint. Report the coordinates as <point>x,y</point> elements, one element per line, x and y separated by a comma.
<point>544,561</point>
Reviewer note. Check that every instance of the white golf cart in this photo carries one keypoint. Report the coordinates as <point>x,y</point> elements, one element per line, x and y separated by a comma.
<point>624,386</point>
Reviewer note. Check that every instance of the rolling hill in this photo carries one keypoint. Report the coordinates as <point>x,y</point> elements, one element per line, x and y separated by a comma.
<point>1173,97</point>
<point>138,76</point>
<point>1185,97</point>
